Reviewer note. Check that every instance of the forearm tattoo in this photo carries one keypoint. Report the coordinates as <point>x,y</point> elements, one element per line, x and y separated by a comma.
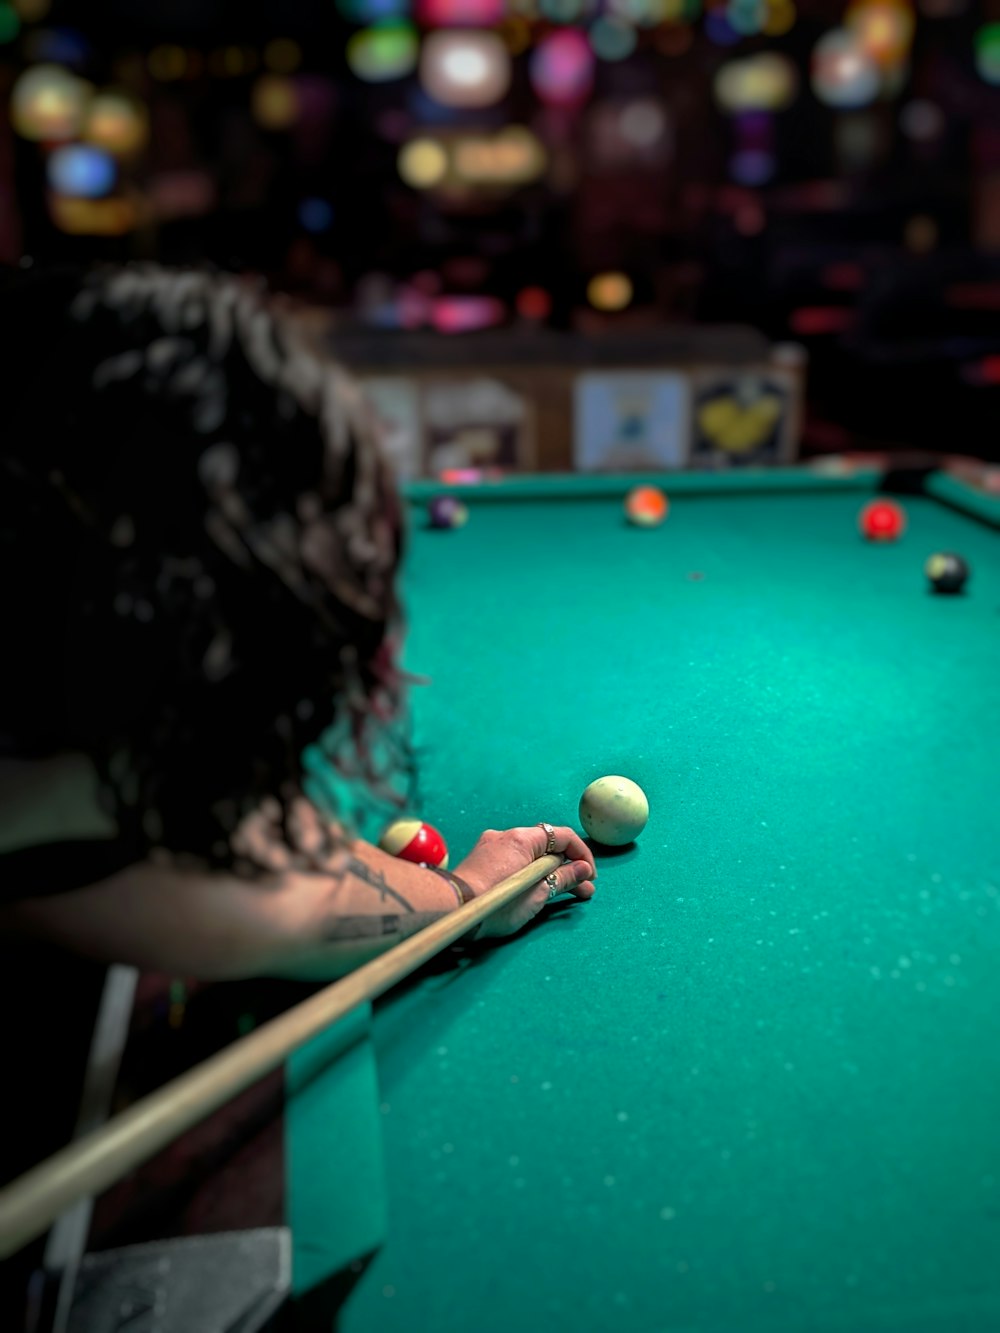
<point>405,920</point>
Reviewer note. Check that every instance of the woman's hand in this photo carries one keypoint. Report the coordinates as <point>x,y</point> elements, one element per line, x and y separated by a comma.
<point>499,854</point>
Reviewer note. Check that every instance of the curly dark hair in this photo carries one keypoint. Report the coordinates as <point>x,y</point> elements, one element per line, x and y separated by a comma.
<point>200,541</point>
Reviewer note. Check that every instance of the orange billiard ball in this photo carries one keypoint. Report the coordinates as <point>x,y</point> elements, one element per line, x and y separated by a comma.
<point>413,840</point>
<point>882,521</point>
<point>646,506</point>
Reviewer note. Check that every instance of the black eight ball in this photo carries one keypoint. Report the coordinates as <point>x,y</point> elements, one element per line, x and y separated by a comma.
<point>946,571</point>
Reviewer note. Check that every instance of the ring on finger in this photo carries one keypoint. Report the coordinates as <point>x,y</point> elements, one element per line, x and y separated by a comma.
<point>553,882</point>
<point>550,833</point>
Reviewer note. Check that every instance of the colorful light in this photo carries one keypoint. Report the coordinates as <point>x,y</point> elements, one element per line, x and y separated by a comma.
<point>988,53</point>
<point>32,11</point>
<point>465,69</point>
<point>534,303</point>
<point>92,217</point>
<point>460,13</point>
<point>753,166</point>
<point>612,39</point>
<point>746,17</point>
<point>373,11</point>
<point>423,163</point>
<point>843,74</point>
<point>884,29</point>
<point>515,33</point>
<point>643,124</point>
<point>117,123</point>
<point>780,18</point>
<point>10,24</point>
<point>921,120</point>
<point>81,171</point>
<point>610,291</point>
<point>764,82</point>
<point>510,157</point>
<point>167,63</point>
<point>316,215</point>
<point>275,102</point>
<point>719,30</point>
<point>562,68</point>
<point>382,53</point>
<point>565,11</point>
<point>48,103</point>
<point>465,314</point>
<point>282,55</point>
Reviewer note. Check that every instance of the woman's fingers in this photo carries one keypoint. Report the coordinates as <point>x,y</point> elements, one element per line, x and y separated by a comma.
<point>574,877</point>
<point>566,841</point>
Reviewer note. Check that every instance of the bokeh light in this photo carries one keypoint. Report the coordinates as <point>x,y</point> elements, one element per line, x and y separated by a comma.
<point>747,17</point>
<point>32,11</point>
<point>275,102</point>
<point>843,74</point>
<point>643,124</point>
<point>465,69</point>
<point>922,121</point>
<point>373,11</point>
<point>562,68</point>
<point>316,215</point>
<point>780,18</point>
<point>920,235</point>
<point>48,103</point>
<point>753,166</point>
<point>423,163</point>
<point>764,82</point>
<point>466,314</point>
<point>167,63</point>
<point>57,46</point>
<point>565,11</point>
<point>988,53</point>
<point>510,157</point>
<point>612,39</point>
<point>92,217</point>
<point>10,24</point>
<point>610,291</point>
<point>534,303</point>
<point>81,171</point>
<point>459,13</point>
<point>282,55</point>
<point>117,123</point>
<point>884,28</point>
<point>719,30</point>
<point>384,52</point>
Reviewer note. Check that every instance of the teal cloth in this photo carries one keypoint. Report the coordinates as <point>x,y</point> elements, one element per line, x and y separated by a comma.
<point>755,1084</point>
<point>334,1168</point>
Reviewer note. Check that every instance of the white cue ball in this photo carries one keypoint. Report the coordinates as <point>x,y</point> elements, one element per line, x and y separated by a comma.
<point>614,811</point>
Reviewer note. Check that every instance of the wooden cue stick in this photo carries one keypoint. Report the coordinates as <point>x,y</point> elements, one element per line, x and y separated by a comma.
<point>91,1164</point>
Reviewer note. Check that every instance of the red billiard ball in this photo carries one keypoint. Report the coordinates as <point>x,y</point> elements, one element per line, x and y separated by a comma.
<point>646,506</point>
<point>882,521</point>
<point>413,840</point>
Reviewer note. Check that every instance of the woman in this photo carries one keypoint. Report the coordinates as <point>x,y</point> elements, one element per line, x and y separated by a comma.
<point>199,551</point>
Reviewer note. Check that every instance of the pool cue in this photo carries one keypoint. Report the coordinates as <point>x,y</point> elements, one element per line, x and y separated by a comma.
<point>91,1164</point>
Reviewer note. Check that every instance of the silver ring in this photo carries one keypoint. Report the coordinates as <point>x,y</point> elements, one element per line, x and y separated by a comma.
<point>550,833</point>
<point>553,882</point>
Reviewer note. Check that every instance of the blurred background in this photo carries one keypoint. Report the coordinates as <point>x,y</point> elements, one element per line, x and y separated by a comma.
<point>653,232</point>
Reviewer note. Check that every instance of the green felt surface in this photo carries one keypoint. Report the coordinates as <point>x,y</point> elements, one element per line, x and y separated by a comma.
<point>333,1152</point>
<point>755,1083</point>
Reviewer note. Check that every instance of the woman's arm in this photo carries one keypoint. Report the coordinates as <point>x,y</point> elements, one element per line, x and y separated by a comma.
<point>222,926</point>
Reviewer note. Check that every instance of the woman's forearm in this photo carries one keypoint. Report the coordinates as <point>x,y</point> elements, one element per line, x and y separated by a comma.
<point>220,926</point>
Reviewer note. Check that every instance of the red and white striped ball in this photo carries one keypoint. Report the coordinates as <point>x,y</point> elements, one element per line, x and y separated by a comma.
<point>413,840</point>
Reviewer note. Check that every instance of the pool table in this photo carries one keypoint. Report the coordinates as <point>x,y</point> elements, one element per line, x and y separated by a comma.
<point>754,1084</point>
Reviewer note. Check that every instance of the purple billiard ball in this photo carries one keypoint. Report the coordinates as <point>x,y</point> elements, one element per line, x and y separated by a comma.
<point>445,511</point>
